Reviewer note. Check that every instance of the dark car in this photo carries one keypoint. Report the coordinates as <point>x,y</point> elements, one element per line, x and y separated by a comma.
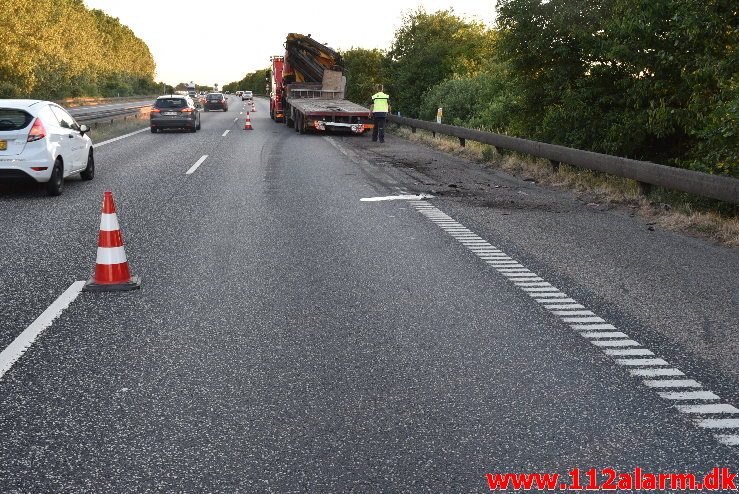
<point>174,112</point>
<point>215,101</point>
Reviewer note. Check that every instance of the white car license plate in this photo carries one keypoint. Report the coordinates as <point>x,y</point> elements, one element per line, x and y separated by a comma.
<point>170,113</point>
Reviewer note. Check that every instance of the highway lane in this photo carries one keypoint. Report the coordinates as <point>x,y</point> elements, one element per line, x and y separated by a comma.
<point>676,292</point>
<point>49,244</point>
<point>289,337</point>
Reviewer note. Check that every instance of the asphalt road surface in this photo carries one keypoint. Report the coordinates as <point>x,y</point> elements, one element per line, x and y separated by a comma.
<point>290,337</point>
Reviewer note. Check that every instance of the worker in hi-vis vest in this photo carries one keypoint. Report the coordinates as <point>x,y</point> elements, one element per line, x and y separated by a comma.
<point>380,109</point>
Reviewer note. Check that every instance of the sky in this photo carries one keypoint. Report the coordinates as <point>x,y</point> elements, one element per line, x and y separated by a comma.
<point>220,42</point>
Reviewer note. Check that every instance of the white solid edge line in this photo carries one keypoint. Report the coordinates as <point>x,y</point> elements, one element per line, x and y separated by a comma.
<point>718,423</point>
<point>672,383</point>
<point>393,198</point>
<point>196,165</point>
<point>710,408</point>
<point>688,395</point>
<point>573,312</point>
<point>98,144</point>
<point>604,334</point>
<point>23,342</point>
<point>606,339</point>
<point>670,371</point>
<point>627,352</point>
<point>587,327</point>
<point>615,343</point>
<point>728,439</point>
<point>226,133</point>
<point>641,361</point>
<point>584,319</point>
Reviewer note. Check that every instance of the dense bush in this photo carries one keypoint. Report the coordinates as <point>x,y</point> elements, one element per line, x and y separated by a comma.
<point>649,79</point>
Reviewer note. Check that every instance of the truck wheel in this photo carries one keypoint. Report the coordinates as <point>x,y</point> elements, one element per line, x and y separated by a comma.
<point>297,123</point>
<point>301,127</point>
<point>289,122</point>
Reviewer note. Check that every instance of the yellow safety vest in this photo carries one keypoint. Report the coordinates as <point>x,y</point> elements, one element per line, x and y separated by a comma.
<point>380,103</point>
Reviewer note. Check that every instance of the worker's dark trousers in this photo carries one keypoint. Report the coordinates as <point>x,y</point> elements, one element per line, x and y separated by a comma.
<point>379,129</point>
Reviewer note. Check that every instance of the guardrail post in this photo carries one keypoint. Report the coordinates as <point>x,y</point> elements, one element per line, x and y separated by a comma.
<point>433,134</point>
<point>555,165</point>
<point>413,130</point>
<point>462,141</point>
<point>499,150</point>
<point>644,188</point>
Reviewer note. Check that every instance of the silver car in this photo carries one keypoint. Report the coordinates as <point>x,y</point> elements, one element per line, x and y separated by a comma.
<point>40,142</point>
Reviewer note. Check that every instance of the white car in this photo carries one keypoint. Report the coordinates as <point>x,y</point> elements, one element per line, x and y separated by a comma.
<point>246,95</point>
<point>41,142</point>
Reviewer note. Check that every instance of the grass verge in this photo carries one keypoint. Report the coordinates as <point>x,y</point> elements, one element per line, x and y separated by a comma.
<point>676,211</point>
<point>102,131</point>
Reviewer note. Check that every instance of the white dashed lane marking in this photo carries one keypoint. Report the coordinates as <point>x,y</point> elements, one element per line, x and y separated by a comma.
<point>115,139</point>
<point>196,165</point>
<point>656,374</point>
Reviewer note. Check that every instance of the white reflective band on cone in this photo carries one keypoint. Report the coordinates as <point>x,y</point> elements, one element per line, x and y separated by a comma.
<point>109,222</point>
<point>111,255</point>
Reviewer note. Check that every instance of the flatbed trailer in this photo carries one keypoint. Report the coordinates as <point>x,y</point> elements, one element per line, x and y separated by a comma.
<point>309,107</point>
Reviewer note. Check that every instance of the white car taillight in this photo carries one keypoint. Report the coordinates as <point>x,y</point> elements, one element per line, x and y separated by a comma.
<point>37,132</point>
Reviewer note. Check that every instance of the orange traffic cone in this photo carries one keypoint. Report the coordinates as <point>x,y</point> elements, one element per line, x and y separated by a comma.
<point>253,107</point>
<point>111,267</point>
<point>247,124</point>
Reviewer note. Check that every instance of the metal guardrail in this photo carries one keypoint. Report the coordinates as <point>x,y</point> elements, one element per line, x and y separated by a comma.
<point>110,114</point>
<point>644,172</point>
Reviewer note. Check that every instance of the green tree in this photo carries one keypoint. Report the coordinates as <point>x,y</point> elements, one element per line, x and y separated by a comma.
<point>256,82</point>
<point>429,48</point>
<point>649,79</point>
<point>59,48</point>
<point>364,70</point>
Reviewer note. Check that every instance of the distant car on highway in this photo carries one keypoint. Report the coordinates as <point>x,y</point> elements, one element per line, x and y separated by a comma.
<point>216,101</point>
<point>40,142</point>
<point>174,112</point>
<point>246,95</point>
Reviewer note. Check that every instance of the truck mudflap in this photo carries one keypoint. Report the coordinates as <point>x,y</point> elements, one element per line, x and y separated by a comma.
<point>355,128</point>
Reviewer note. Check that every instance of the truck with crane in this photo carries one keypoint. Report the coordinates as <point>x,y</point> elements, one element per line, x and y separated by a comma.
<point>308,88</point>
